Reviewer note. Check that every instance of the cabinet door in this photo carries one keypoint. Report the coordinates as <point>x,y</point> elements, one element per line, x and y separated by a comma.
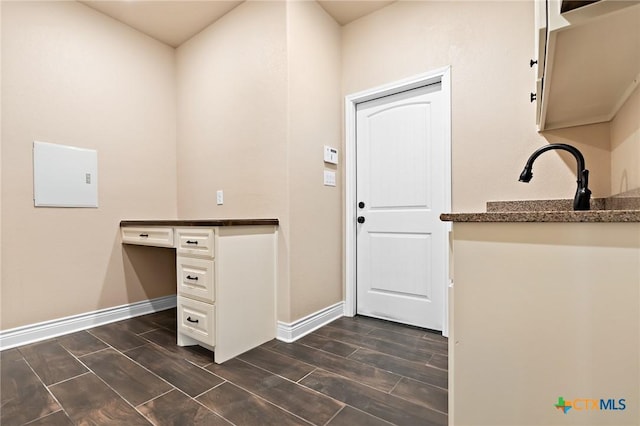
<point>196,278</point>
<point>540,36</point>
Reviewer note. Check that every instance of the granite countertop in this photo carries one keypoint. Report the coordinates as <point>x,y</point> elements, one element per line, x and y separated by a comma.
<point>200,222</point>
<point>619,208</point>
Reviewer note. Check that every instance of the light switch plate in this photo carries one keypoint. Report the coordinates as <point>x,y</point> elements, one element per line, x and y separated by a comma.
<point>330,155</point>
<point>219,197</point>
<point>329,178</point>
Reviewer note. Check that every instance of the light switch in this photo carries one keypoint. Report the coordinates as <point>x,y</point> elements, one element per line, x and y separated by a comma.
<point>330,155</point>
<point>329,178</point>
<point>219,197</point>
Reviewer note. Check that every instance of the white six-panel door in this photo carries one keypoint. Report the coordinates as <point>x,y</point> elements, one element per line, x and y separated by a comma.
<point>400,190</point>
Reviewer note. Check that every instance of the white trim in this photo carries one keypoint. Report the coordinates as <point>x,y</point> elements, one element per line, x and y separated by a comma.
<point>290,332</point>
<point>442,75</point>
<point>45,330</point>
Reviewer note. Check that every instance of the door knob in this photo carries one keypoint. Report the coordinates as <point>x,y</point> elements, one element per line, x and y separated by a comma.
<point>360,219</point>
<point>361,204</point>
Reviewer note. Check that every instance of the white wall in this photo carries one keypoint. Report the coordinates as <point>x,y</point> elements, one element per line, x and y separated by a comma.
<point>246,106</point>
<point>316,211</point>
<point>232,123</point>
<point>625,146</point>
<point>258,97</point>
<point>72,76</point>
<point>488,45</point>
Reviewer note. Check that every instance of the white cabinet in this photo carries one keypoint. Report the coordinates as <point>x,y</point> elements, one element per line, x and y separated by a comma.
<point>540,47</point>
<point>226,281</point>
<point>588,61</point>
<point>539,311</point>
<point>195,272</point>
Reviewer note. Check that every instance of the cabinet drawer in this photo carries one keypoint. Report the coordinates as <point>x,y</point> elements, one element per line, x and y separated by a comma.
<point>196,319</point>
<point>195,241</point>
<point>196,278</point>
<point>148,236</point>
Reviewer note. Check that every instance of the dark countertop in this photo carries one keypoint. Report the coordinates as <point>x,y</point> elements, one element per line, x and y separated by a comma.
<point>620,208</point>
<point>546,216</point>
<point>200,222</point>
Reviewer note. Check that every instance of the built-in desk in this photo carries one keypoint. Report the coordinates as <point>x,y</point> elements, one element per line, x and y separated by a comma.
<point>226,279</point>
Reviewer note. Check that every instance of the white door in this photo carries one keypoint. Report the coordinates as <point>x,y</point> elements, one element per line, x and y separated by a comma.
<point>400,192</point>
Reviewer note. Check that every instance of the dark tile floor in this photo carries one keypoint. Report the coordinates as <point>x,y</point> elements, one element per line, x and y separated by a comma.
<point>354,371</point>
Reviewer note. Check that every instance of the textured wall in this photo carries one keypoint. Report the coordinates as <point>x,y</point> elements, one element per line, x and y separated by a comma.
<point>625,146</point>
<point>315,117</point>
<point>488,45</point>
<point>75,77</point>
<point>232,123</point>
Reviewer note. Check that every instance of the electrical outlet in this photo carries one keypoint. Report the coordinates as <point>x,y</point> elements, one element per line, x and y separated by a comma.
<point>219,197</point>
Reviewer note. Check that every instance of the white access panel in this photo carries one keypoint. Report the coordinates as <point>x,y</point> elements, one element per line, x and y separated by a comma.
<point>64,176</point>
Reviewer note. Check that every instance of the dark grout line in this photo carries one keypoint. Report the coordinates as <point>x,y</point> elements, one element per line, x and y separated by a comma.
<point>208,390</point>
<point>334,416</point>
<point>156,397</point>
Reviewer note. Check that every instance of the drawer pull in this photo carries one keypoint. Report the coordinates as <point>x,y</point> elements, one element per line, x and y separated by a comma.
<point>192,242</point>
<point>193,321</point>
<point>144,235</point>
<point>189,277</point>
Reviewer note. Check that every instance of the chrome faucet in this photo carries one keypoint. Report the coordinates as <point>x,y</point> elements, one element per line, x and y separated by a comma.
<point>583,194</point>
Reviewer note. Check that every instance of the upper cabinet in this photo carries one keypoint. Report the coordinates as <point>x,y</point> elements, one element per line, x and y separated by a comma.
<point>588,60</point>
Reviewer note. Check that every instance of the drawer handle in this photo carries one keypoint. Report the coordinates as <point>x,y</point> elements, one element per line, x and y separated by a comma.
<point>144,235</point>
<point>189,277</point>
<point>192,242</point>
<point>193,321</point>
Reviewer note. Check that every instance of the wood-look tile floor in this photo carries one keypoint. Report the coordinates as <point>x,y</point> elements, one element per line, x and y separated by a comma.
<point>354,371</point>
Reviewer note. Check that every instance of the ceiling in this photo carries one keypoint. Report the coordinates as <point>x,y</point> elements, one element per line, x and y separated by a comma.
<point>173,22</point>
<point>345,11</point>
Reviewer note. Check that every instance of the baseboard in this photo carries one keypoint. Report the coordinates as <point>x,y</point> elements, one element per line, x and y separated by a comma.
<point>290,332</point>
<point>45,330</point>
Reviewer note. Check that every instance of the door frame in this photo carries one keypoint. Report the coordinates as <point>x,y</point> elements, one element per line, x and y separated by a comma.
<point>442,76</point>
